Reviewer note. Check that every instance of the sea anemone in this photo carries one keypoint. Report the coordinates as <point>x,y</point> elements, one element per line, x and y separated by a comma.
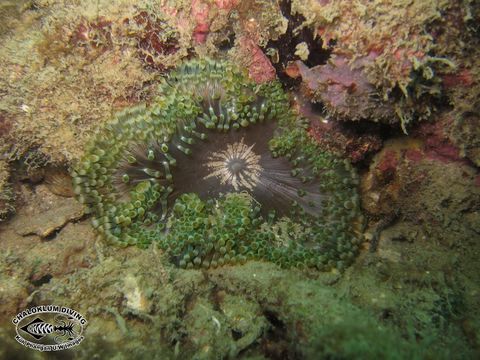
<point>220,170</point>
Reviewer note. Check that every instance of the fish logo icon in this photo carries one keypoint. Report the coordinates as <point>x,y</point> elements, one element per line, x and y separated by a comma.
<point>49,328</point>
<point>38,329</point>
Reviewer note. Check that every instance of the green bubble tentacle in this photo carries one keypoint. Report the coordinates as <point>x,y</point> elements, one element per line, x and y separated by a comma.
<point>220,170</point>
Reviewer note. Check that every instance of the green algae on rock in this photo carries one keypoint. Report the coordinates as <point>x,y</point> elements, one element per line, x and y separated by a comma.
<point>7,195</point>
<point>218,171</point>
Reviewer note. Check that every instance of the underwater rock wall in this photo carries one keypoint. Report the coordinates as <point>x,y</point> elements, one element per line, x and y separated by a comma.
<point>363,75</point>
<point>387,67</point>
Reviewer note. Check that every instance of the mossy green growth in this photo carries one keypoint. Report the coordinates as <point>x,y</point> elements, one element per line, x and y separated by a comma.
<point>7,195</point>
<point>213,169</point>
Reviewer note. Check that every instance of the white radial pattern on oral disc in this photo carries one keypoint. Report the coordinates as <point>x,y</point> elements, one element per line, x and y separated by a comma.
<point>225,166</point>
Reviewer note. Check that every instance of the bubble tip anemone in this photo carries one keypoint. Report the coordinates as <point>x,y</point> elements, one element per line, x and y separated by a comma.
<point>218,171</point>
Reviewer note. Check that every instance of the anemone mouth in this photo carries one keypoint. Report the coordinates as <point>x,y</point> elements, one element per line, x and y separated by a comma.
<point>217,163</point>
<point>237,166</point>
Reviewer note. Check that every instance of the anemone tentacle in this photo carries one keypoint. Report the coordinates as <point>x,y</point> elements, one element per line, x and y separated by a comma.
<point>218,171</point>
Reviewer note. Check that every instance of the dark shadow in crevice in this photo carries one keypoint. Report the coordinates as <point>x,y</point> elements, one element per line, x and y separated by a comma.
<point>286,45</point>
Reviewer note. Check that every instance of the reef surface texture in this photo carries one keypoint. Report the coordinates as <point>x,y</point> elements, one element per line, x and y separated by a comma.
<point>242,180</point>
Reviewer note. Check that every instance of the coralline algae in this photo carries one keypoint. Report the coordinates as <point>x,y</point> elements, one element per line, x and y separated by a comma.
<point>218,171</point>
